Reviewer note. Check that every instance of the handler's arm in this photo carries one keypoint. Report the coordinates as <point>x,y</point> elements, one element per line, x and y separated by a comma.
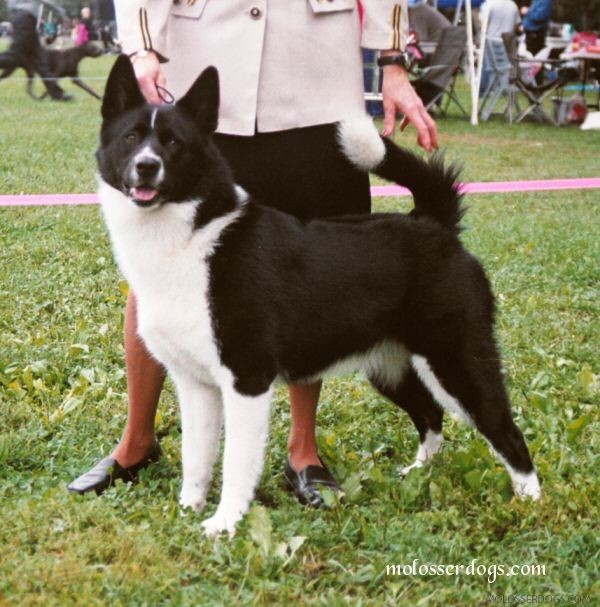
<point>142,31</point>
<point>386,28</point>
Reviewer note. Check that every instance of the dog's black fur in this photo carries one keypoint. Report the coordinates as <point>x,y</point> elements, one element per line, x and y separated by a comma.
<point>63,63</point>
<point>291,298</point>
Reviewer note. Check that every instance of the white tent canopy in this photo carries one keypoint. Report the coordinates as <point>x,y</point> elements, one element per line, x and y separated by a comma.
<point>473,77</point>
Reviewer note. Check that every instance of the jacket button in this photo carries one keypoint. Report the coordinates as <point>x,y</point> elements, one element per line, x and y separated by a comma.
<point>176,2</point>
<point>255,12</point>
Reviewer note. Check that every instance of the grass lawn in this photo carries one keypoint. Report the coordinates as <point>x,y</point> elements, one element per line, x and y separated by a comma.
<point>63,405</point>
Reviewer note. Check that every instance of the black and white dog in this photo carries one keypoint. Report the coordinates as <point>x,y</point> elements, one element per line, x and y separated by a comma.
<point>232,295</point>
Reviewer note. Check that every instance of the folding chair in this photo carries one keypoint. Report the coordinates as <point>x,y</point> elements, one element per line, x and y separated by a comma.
<point>497,70</point>
<point>524,81</point>
<point>372,81</point>
<point>438,79</point>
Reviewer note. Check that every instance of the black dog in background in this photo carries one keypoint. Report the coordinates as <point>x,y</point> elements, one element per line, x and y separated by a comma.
<point>25,51</point>
<point>61,63</point>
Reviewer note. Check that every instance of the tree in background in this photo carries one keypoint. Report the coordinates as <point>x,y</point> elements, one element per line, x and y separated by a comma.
<point>583,14</point>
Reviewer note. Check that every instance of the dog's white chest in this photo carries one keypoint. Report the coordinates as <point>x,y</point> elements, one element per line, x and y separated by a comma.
<point>166,264</point>
<point>175,324</point>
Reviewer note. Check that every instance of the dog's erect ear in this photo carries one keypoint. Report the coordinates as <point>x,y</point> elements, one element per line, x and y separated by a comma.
<point>122,91</point>
<point>202,100</point>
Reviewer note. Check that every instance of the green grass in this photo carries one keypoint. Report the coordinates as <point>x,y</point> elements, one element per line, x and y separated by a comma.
<point>63,404</point>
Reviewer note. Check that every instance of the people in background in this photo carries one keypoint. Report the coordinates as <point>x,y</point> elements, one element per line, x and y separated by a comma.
<point>535,25</point>
<point>79,32</point>
<point>86,20</point>
<point>426,22</point>
<point>50,31</point>
<point>502,17</point>
<point>106,24</point>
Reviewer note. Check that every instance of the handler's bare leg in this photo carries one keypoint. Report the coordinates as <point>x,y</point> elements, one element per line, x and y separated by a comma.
<point>145,378</point>
<point>302,442</point>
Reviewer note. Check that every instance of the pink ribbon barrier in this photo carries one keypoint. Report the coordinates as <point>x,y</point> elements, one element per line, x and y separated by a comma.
<point>495,187</point>
<point>484,187</point>
<point>46,200</point>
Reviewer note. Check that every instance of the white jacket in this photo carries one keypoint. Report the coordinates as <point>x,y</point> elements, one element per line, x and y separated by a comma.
<point>283,63</point>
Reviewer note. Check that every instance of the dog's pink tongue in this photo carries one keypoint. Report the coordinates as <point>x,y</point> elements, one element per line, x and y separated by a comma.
<point>144,194</point>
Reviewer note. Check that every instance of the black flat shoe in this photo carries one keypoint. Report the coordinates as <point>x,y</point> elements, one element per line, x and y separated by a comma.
<point>107,471</point>
<point>307,482</point>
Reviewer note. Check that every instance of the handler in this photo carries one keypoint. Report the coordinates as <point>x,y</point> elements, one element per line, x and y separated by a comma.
<point>25,50</point>
<point>289,70</point>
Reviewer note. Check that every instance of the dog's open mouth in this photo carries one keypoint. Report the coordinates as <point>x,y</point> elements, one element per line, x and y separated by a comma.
<point>143,195</point>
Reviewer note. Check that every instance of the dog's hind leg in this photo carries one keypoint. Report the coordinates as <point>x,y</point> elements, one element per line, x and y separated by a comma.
<point>411,395</point>
<point>201,421</point>
<point>246,434</point>
<point>476,392</point>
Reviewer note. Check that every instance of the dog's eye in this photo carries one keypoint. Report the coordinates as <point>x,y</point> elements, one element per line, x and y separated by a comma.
<point>131,137</point>
<point>172,143</point>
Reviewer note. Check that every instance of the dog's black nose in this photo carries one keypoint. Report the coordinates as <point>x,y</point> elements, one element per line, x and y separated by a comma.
<point>147,167</point>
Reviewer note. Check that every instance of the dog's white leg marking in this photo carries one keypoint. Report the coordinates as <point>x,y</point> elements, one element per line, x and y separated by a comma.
<point>246,434</point>
<point>427,449</point>
<point>443,398</point>
<point>201,420</point>
<point>525,484</point>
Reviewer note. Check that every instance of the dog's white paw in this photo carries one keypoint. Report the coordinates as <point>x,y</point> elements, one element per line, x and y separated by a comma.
<point>427,449</point>
<point>527,485</point>
<point>191,496</point>
<point>219,523</point>
<point>417,464</point>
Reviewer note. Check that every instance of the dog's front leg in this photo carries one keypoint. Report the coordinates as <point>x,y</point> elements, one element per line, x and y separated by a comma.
<point>30,92</point>
<point>88,89</point>
<point>201,420</point>
<point>246,434</point>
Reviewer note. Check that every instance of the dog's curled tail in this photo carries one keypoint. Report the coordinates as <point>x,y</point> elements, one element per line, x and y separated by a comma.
<point>434,185</point>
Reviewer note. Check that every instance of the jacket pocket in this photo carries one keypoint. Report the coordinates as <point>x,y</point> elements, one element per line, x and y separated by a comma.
<point>332,6</point>
<point>191,9</point>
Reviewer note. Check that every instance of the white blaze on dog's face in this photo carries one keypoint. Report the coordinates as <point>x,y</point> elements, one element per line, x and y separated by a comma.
<point>146,172</point>
<point>156,154</point>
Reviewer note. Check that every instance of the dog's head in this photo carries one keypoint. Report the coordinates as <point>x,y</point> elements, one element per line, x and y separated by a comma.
<point>92,50</point>
<point>157,154</point>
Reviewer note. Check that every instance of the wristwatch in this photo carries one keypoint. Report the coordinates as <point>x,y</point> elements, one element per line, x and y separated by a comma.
<point>401,59</point>
<point>141,53</point>
<point>145,52</point>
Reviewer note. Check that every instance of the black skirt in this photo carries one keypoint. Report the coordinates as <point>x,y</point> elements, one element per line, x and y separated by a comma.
<point>299,171</point>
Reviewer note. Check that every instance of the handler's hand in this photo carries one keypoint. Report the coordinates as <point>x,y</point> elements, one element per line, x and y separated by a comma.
<point>400,96</point>
<point>149,75</point>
